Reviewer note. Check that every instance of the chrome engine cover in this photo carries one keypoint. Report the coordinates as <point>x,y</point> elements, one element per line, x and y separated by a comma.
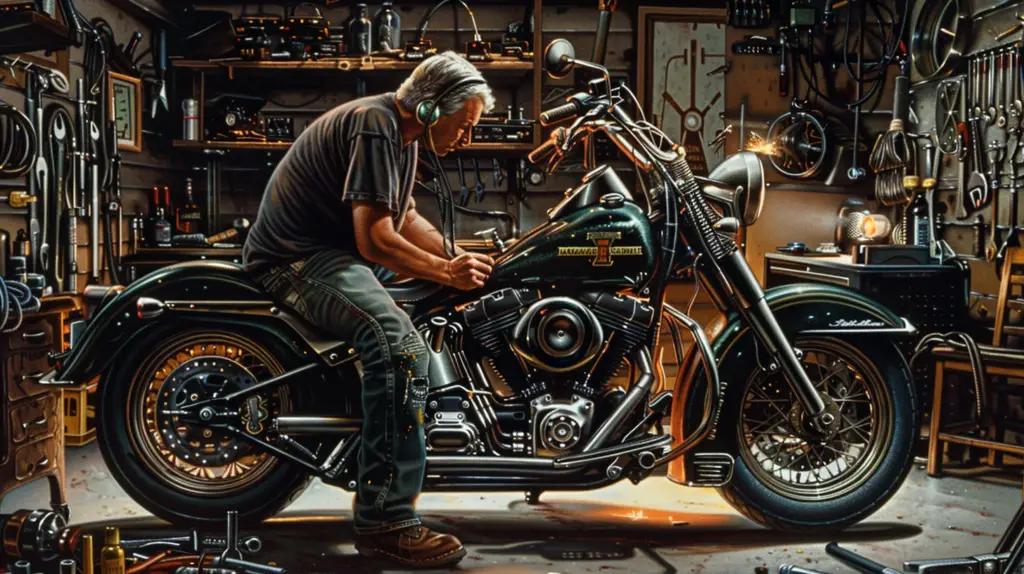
<point>449,433</point>
<point>560,426</point>
<point>558,334</point>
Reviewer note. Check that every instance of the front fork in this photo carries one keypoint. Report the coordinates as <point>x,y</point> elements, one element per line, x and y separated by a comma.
<point>733,280</point>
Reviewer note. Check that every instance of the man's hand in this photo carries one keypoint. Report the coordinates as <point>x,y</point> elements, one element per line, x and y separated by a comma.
<point>469,271</point>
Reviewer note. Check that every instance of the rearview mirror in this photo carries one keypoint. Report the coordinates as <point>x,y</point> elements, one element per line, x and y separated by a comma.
<point>559,58</point>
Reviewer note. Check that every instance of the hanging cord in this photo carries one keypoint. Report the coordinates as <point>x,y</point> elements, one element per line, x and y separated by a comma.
<point>445,204</point>
<point>426,20</point>
<point>18,142</point>
<point>17,295</point>
<point>963,342</point>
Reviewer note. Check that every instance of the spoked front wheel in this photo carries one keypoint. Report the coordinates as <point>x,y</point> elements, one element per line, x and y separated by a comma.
<point>787,476</point>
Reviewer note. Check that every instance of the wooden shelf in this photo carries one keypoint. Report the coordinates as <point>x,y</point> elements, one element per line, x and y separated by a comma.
<point>258,146</point>
<point>283,146</point>
<point>347,64</point>
<point>31,31</point>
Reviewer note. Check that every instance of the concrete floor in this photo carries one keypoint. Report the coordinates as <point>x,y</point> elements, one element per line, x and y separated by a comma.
<point>656,527</point>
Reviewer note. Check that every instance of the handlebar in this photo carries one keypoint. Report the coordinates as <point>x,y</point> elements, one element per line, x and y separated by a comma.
<point>563,112</point>
<point>570,109</point>
<point>544,151</point>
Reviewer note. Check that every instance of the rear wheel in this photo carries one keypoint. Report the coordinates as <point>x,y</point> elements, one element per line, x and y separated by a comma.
<point>788,477</point>
<point>185,473</point>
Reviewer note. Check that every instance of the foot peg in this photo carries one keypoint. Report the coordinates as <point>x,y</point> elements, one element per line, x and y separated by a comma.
<point>709,469</point>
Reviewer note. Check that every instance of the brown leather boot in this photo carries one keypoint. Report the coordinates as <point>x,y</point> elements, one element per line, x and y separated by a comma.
<point>415,546</point>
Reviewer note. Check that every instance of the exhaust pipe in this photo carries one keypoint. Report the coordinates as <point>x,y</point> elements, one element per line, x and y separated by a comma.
<point>633,399</point>
<point>317,425</point>
<point>646,446</point>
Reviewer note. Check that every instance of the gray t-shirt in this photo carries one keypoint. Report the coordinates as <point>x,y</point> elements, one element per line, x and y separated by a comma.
<point>353,152</point>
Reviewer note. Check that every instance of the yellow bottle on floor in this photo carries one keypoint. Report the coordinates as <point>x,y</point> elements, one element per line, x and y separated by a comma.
<point>87,559</point>
<point>112,556</point>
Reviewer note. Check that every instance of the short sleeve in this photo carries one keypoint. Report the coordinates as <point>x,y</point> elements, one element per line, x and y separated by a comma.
<point>374,162</point>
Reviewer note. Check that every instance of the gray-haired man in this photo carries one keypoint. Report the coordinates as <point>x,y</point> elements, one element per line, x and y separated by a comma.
<point>337,216</point>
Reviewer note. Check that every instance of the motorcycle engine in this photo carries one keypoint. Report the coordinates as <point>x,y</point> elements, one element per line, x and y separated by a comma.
<point>557,355</point>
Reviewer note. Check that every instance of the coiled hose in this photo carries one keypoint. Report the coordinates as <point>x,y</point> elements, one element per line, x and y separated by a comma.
<point>17,296</point>
<point>17,142</point>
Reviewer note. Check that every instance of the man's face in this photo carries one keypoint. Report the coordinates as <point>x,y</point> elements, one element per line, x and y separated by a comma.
<point>456,131</point>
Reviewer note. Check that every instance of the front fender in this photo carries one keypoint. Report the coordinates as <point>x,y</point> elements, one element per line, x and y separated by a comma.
<point>116,324</point>
<point>800,309</point>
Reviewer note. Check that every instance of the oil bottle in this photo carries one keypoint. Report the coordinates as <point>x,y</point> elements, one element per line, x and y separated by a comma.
<point>112,556</point>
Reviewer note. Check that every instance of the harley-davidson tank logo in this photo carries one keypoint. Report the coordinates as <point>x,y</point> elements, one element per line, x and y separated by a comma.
<point>861,323</point>
<point>603,249</point>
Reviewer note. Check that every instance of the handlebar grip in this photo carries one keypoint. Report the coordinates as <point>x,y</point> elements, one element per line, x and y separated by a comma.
<point>561,113</point>
<point>543,152</point>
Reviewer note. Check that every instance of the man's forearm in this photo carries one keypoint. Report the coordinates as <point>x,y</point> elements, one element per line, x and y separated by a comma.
<point>402,256</point>
<point>421,233</point>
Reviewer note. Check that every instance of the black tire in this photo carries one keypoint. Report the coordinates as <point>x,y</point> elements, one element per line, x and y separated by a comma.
<point>750,495</point>
<point>278,488</point>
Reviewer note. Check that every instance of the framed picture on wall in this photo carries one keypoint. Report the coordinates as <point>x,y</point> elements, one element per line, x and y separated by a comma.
<point>126,110</point>
<point>680,51</point>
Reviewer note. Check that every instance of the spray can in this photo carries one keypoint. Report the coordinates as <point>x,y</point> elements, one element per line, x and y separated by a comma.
<point>190,119</point>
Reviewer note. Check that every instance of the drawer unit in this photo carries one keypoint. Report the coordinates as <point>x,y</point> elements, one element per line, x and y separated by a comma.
<point>31,414</point>
<point>34,459</point>
<point>32,335</point>
<point>34,418</point>
<point>22,372</point>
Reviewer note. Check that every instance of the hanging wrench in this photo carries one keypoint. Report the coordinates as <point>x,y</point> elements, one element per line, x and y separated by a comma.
<point>463,189</point>
<point>990,113</point>
<point>1001,118</point>
<point>499,177</point>
<point>37,232</point>
<point>974,107</point>
<point>1017,106</point>
<point>479,181</point>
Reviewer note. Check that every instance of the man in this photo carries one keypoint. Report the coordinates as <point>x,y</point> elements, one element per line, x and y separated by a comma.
<point>337,214</point>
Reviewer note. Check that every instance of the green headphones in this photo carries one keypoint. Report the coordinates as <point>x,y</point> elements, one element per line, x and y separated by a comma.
<point>428,112</point>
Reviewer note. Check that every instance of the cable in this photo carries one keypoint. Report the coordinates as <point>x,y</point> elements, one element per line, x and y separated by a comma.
<point>890,35</point>
<point>18,295</point>
<point>18,140</point>
<point>426,20</point>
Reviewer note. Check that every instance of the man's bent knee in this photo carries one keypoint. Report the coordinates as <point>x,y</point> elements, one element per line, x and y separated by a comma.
<point>412,365</point>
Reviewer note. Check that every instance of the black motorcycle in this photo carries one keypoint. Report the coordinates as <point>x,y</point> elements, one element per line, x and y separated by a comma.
<point>213,398</point>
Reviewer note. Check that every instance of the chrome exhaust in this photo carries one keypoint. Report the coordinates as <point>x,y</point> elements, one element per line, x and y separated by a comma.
<point>317,425</point>
<point>633,398</point>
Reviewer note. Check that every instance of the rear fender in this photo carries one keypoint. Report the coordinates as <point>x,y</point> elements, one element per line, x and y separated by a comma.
<point>800,309</point>
<point>194,294</point>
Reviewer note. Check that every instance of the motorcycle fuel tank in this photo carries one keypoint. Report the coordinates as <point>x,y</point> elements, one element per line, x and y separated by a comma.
<point>596,235</point>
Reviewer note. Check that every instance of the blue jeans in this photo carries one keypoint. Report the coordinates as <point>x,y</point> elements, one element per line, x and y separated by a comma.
<point>342,295</point>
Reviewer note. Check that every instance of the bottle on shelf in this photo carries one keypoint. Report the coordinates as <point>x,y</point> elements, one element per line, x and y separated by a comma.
<point>188,218</point>
<point>168,211</point>
<point>387,27</point>
<point>357,37</point>
<point>151,220</point>
<point>158,228</point>
<point>112,555</point>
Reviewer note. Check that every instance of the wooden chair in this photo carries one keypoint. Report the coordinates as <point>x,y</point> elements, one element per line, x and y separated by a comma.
<point>1000,361</point>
